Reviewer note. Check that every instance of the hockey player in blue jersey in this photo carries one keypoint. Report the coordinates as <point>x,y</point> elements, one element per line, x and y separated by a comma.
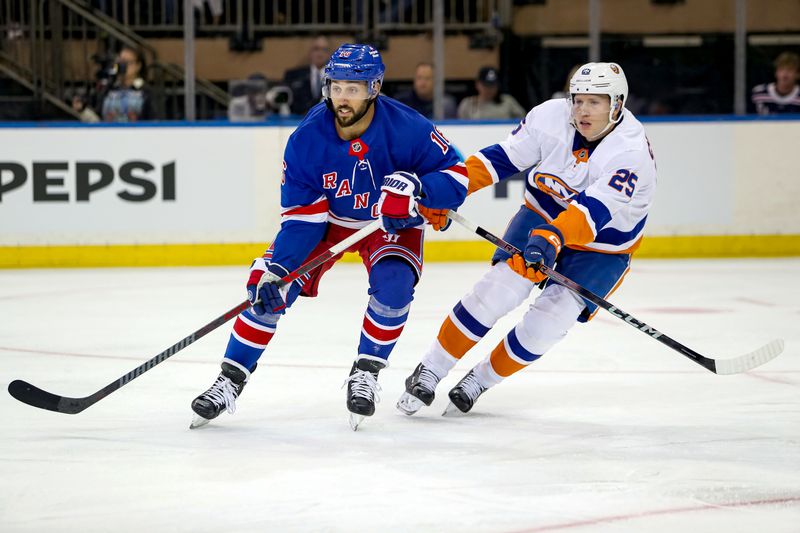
<point>355,157</point>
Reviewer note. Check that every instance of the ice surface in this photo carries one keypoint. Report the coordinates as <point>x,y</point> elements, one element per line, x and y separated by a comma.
<point>610,431</point>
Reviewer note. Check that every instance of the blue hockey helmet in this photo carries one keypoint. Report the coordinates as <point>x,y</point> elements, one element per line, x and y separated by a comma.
<point>354,62</point>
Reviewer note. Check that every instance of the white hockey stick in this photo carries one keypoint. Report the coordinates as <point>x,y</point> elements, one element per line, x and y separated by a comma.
<point>735,365</point>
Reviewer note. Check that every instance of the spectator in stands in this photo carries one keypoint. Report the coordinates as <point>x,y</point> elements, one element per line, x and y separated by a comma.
<point>214,6</point>
<point>782,95</point>
<point>489,103</point>
<point>306,81</point>
<point>420,97</point>
<point>128,98</point>
<point>80,104</point>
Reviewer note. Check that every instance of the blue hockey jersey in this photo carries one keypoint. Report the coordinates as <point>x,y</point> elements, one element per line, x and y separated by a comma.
<point>330,180</point>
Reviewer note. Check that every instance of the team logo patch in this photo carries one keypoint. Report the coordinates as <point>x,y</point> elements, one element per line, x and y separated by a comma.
<point>581,155</point>
<point>345,53</point>
<point>554,186</point>
<point>586,72</point>
<point>358,148</point>
<point>614,68</point>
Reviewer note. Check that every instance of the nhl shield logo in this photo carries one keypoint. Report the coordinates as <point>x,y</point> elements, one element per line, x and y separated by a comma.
<point>614,68</point>
<point>358,148</point>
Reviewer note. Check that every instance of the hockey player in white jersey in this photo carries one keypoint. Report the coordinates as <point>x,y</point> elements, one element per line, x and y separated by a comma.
<point>588,191</point>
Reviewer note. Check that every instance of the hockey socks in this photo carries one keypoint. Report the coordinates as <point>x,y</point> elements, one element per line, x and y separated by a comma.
<point>498,292</point>
<point>391,290</point>
<point>250,337</point>
<point>381,328</point>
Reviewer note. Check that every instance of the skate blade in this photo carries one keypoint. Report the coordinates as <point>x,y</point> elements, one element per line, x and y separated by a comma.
<point>452,410</point>
<point>355,421</point>
<point>198,422</point>
<point>408,404</point>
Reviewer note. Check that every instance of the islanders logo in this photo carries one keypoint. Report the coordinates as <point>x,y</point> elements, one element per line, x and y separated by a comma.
<point>554,186</point>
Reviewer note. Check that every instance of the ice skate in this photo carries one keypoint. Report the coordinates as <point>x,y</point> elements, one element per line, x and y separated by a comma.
<point>220,396</point>
<point>464,395</point>
<point>362,390</point>
<point>420,387</point>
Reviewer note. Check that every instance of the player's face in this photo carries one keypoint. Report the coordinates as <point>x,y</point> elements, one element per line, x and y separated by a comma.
<point>590,112</point>
<point>349,100</point>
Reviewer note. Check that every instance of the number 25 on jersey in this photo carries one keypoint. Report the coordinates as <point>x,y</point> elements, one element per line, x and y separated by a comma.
<point>624,181</point>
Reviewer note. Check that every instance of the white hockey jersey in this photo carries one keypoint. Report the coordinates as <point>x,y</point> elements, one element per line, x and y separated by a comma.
<point>598,196</point>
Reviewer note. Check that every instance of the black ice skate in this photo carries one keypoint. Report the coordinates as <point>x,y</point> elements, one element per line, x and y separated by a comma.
<point>362,390</point>
<point>220,396</point>
<point>464,394</point>
<point>420,387</point>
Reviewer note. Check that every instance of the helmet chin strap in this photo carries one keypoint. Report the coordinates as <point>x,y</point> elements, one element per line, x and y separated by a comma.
<point>603,131</point>
<point>610,125</point>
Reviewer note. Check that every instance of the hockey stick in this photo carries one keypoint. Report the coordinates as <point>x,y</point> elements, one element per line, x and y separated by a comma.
<point>742,363</point>
<point>31,395</point>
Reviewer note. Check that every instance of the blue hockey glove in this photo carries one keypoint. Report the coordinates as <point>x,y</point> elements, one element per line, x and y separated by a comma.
<point>398,202</point>
<point>262,290</point>
<point>544,245</point>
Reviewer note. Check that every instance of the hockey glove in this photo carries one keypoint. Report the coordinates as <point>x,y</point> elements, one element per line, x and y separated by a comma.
<point>398,202</point>
<point>517,264</point>
<point>262,290</point>
<point>544,245</point>
<point>435,217</point>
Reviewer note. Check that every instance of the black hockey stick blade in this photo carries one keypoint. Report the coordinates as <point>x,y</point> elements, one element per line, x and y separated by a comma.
<point>735,365</point>
<point>27,393</point>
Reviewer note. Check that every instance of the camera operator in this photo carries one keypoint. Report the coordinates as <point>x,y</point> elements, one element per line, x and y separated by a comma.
<point>252,100</point>
<point>79,101</point>
<point>128,98</point>
<point>279,99</point>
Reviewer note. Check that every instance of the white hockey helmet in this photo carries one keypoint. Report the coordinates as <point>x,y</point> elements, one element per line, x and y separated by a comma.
<point>601,78</point>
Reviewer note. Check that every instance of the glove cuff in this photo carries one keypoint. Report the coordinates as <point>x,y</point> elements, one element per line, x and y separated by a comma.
<point>403,183</point>
<point>551,234</point>
<point>258,264</point>
<point>277,270</point>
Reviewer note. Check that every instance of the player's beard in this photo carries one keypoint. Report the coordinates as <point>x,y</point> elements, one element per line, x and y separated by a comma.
<point>355,115</point>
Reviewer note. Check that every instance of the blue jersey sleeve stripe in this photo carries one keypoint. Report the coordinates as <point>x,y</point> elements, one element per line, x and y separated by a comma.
<point>618,237</point>
<point>597,209</point>
<point>499,159</point>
